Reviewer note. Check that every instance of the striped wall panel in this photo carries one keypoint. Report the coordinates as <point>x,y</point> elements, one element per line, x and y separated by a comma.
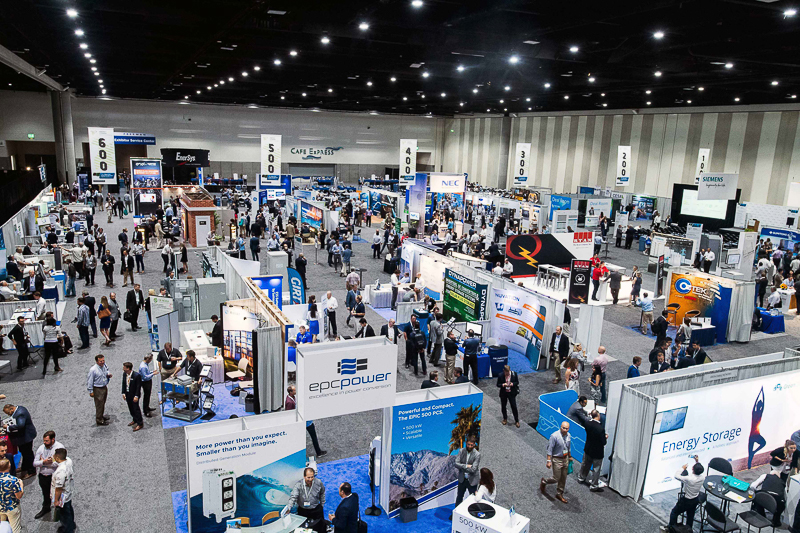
<point>573,150</point>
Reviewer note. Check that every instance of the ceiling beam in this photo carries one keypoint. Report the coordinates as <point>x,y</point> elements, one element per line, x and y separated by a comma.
<point>7,57</point>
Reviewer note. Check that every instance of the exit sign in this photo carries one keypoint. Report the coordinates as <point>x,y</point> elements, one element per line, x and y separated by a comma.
<point>31,135</point>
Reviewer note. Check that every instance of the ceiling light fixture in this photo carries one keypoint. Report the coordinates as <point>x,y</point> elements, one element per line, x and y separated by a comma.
<point>461,104</point>
<point>793,96</point>
<point>605,104</point>
<point>72,13</point>
<point>513,60</point>
<point>527,99</point>
<point>208,87</point>
<point>443,95</point>
<point>99,81</point>
<point>657,74</point>
<point>591,80</point>
<point>602,94</point>
<point>566,97</point>
<point>304,94</point>
<point>774,82</point>
<point>276,62</point>
<point>96,73</point>
<point>546,85</point>
<point>216,85</point>
<point>79,33</point>
<point>736,99</point>
<point>460,68</point>
<point>94,68</point>
<point>84,46</point>
<point>283,98</point>
<point>222,82</point>
<point>369,84</point>
<point>293,53</point>
<point>101,85</point>
<point>416,3</point>
<point>393,79</point>
<point>198,92</point>
<point>230,79</point>
<point>363,26</point>
<point>530,109</point>
<point>788,13</point>
<point>648,103</point>
<point>330,90</point>
<point>104,91</point>
<point>87,55</point>
<point>244,74</point>
<point>728,65</point>
<point>475,90</point>
<point>93,61</point>
<point>659,35</point>
<point>405,98</point>
<point>423,96</point>
<point>325,40</point>
<point>688,101</point>
<point>186,97</point>
<point>648,91</point>
<point>425,74</point>
<point>573,49</point>
<point>507,87</point>
<point>701,88</point>
<point>256,68</point>
<point>502,101</point>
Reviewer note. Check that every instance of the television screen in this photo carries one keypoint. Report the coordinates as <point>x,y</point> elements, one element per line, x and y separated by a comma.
<point>691,206</point>
<point>670,420</point>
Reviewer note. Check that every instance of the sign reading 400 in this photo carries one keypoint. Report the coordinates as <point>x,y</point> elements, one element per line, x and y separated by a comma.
<point>103,156</point>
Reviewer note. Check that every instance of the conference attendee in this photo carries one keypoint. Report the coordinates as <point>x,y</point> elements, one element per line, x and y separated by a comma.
<point>630,233</point>
<point>331,304</point>
<point>458,373</point>
<point>134,303</point>
<point>468,464</point>
<point>303,336</point>
<point>10,456</point>
<point>772,484</point>
<point>785,459</point>
<point>660,364</point>
<point>290,403</point>
<point>508,383</point>
<point>309,497</point>
<point>432,381</point>
<point>167,359</point>
<point>216,332</point>
<point>147,383</point>
<point>558,458</point>
<point>395,281</point>
<point>471,347</point>
<point>708,259</point>
<point>436,336</point>
<point>21,433</point>
<point>596,439</point>
<point>346,517</point>
<point>597,273</point>
<point>577,412</point>
<point>646,304</point>
<point>773,301</point>
<point>98,388</point>
<point>63,482</point>
<point>360,310</point>
<point>699,354</point>
<point>660,327</point>
<point>761,284</point>
<point>633,370</point>
<point>636,278</point>
<point>487,490</point>
<point>683,359</point>
<point>559,350</point>
<point>300,265</point>
<point>113,306</point>
<point>45,468</point>
<point>365,330</point>
<point>450,352</point>
<point>409,329</point>
<point>131,391</point>
<point>390,331</point>
<point>11,491</point>
<point>312,317</point>
<point>19,338</point>
<point>615,282</point>
<point>688,502</point>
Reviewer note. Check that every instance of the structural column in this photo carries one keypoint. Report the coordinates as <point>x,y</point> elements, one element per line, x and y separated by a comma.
<point>505,149</point>
<point>61,102</point>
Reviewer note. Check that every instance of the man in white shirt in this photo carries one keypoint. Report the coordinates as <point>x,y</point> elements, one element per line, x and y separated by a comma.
<point>40,305</point>
<point>46,467</point>
<point>774,300</point>
<point>395,279</point>
<point>497,270</point>
<point>692,483</point>
<point>330,304</point>
<point>419,283</point>
<point>63,480</point>
<point>7,292</point>
<point>508,268</point>
<point>708,258</point>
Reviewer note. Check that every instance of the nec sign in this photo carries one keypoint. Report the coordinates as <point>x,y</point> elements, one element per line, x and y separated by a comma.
<point>447,182</point>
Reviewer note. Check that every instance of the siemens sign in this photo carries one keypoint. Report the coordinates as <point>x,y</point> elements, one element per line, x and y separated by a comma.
<point>442,182</point>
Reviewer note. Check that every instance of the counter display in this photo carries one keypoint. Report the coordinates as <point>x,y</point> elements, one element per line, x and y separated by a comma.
<point>487,518</point>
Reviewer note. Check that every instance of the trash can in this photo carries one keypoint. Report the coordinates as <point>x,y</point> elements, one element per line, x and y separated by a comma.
<point>408,509</point>
<point>217,201</point>
<point>250,403</point>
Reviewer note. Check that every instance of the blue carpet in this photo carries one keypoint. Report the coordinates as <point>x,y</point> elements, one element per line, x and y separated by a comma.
<point>225,405</point>
<point>385,312</point>
<point>354,471</point>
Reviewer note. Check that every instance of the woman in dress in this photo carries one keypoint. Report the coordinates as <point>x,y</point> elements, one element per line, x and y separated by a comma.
<point>52,339</point>
<point>313,321</point>
<point>184,258</point>
<point>594,381</point>
<point>487,490</point>
<point>104,312</point>
<point>572,376</point>
<point>637,286</point>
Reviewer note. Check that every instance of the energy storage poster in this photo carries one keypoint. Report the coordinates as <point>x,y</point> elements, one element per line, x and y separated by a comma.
<point>518,321</point>
<point>243,474</point>
<point>426,438</point>
<point>464,299</point>
<point>741,421</point>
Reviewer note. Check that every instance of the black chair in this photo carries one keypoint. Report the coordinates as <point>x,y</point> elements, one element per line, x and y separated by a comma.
<point>721,465</point>
<point>757,520</point>
<point>717,520</point>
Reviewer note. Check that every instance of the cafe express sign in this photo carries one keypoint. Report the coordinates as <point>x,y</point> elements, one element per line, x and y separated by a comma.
<point>315,153</point>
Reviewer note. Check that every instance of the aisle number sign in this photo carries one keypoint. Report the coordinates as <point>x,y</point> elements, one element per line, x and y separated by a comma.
<point>703,160</point>
<point>408,161</point>
<point>521,164</point>
<point>623,166</point>
<point>270,160</point>
<point>103,156</point>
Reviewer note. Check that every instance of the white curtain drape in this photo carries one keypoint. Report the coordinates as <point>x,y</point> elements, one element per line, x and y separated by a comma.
<point>740,318</point>
<point>270,368</point>
<point>234,271</point>
<point>632,443</point>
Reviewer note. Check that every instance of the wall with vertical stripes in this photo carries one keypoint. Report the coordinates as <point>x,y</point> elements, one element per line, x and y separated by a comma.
<point>569,150</point>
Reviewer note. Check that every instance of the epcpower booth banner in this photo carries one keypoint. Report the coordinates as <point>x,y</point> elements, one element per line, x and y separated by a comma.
<point>526,252</point>
<point>517,320</point>
<point>310,215</point>
<point>426,438</point>
<point>103,156</point>
<point>270,160</point>
<point>741,421</point>
<point>699,296</point>
<point>147,182</point>
<point>579,277</point>
<point>464,299</point>
<point>272,287</point>
<point>243,468</point>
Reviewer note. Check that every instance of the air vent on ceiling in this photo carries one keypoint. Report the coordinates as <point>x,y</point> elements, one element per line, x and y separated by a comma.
<point>275,12</point>
<point>530,42</point>
<point>416,65</point>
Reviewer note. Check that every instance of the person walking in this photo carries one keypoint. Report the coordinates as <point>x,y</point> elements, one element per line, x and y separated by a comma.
<point>83,323</point>
<point>21,433</point>
<point>450,352</point>
<point>20,340</point>
<point>113,306</point>
<point>46,467</point>
<point>126,267</point>
<point>166,253</point>
<point>596,439</point>
<point>52,344</point>
<point>558,458</point>
<point>104,314</point>
<point>468,464</point>
<point>72,273</point>
<point>63,481</point>
<point>559,351</point>
<point>147,383</point>
<point>97,385</point>
<point>133,304</point>
<point>436,339</point>
<point>131,390</point>
<point>508,383</point>
<point>90,267</point>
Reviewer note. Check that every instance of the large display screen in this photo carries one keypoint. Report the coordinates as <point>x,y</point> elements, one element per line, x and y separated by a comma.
<point>691,206</point>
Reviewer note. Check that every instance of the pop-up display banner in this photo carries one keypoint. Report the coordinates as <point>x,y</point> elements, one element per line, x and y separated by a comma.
<point>242,468</point>
<point>526,252</point>
<point>517,320</point>
<point>700,295</point>
<point>310,215</point>
<point>463,298</point>
<point>147,181</point>
<point>422,434</point>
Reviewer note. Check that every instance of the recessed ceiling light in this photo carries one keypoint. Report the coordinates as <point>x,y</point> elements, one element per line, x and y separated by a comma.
<point>546,85</point>
<point>99,81</point>
<point>208,88</point>
<point>244,74</point>
<point>304,94</point>
<point>256,68</point>
<point>488,110</point>
<point>659,35</point>
<point>198,92</point>
<point>591,80</point>
<point>513,60</point>
<point>95,61</point>
<point>277,62</point>
<point>87,55</point>
<point>443,95</point>
<point>79,33</point>
<point>566,97</point>
<point>96,73</point>
<point>787,13</point>
<point>293,53</point>
<point>505,109</point>
<point>728,65</point>
<point>185,97</point>
<point>602,94</point>
<point>325,40</point>
<point>222,82</point>
<point>688,101</point>
<point>774,82</point>
<point>72,13</point>
<point>101,85</point>
<point>94,68</point>
<point>369,84</point>
<point>423,96</point>
<point>283,98</point>
<point>461,104</point>
<point>530,109</point>
<point>648,91</point>
<point>648,103</point>
<point>657,74</point>
<point>502,101</point>
<point>460,68</point>
<point>230,79</point>
<point>736,99</point>
<point>573,49</point>
<point>701,88</point>
<point>793,96</point>
<point>605,104</point>
<point>527,99</point>
<point>416,3</point>
<point>405,98</point>
<point>104,91</point>
<point>392,79</point>
<point>84,46</point>
<point>216,85</point>
<point>475,90</point>
<point>363,26</point>
<point>330,90</point>
<point>425,74</point>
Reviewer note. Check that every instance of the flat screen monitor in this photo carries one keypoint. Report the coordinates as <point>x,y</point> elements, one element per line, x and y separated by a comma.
<point>703,208</point>
<point>733,259</point>
<point>669,420</point>
<point>474,326</point>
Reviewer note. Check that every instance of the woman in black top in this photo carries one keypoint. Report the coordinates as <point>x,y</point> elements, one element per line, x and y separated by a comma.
<point>786,458</point>
<point>185,258</point>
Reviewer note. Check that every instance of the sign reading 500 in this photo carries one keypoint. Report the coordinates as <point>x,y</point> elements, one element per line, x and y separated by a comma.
<point>270,159</point>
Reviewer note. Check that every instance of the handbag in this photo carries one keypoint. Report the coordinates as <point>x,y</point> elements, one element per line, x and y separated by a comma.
<point>127,316</point>
<point>103,313</point>
<point>361,525</point>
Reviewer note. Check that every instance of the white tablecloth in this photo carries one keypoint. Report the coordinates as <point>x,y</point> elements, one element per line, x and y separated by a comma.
<point>378,298</point>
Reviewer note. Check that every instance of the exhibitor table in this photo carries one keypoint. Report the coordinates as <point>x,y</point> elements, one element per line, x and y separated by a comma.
<point>714,486</point>
<point>288,523</point>
<point>771,323</point>
<point>379,297</point>
<point>496,519</point>
<point>705,335</point>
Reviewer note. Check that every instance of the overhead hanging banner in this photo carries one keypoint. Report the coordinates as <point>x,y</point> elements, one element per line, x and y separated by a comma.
<point>179,157</point>
<point>310,215</point>
<point>717,186</point>
<point>517,319</point>
<point>147,186</point>
<point>408,160</point>
<point>623,165</point>
<point>579,276</point>
<point>443,183</point>
<point>124,137</point>
<point>103,156</point>
<point>270,160</point>
<point>703,160</point>
<point>521,164</point>
<point>464,299</point>
<point>297,290</point>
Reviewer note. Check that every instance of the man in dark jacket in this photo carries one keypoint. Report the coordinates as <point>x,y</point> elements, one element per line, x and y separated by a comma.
<point>508,383</point>
<point>345,520</point>
<point>559,350</point>
<point>300,265</point>
<point>90,303</point>
<point>615,278</point>
<point>365,330</point>
<point>134,303</point>
<point>389,330</point>
<point>450,353</point>
<point>432,381</point>
<point>21,433</point>
<point>629,234</point>
<point>596,438</point>
<point>131,391</point>
<point>659,327</point>
<point>216,332</point>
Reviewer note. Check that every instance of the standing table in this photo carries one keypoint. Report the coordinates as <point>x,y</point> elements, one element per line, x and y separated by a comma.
<point>487,518</point>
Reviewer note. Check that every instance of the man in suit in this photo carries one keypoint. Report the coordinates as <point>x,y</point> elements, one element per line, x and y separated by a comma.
<point>365,330</point>
<point>300,265</point>
<point>345,519</point>
<point>390,330</point>
<point>508,383</point>
<point>659,365</point>
<point>615,283</point>
<point>216,332</point>
<point>559,350</point>
<point>468,464</point>
<point>436,339</point>
<point>433,380</point>
<point>660,327</point>
<point>450,352</point>
<point>21,433</point>
<point>20,340</point>
<point>577,413</point>
<point>596,439</point>
<point>90,303</point>
<point>134,303</point>
<point>459,376</point>
<point>131,391</point>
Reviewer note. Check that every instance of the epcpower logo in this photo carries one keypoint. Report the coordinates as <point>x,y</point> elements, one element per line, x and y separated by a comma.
<point>351,384</point>
<point>351,366</point>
